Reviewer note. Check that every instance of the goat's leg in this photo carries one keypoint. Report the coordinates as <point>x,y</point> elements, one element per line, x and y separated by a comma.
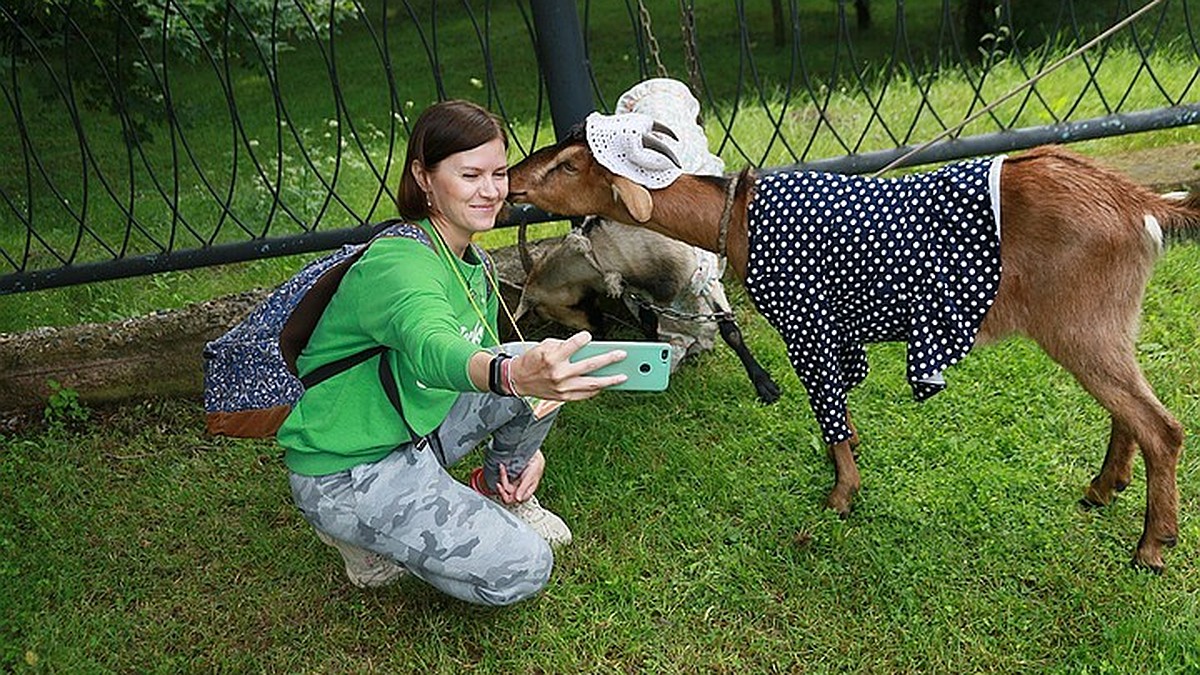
<point>854,440</point>
<point>764,385</point>
<point>847,482</point>
<point>1117,470</point>
<point>1116,381</point>
<point>648,322</point>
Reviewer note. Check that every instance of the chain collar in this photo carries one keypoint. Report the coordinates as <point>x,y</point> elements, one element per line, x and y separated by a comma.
<point>672,313</point>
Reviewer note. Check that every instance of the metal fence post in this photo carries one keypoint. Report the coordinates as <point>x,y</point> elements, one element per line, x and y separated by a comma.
<point>563,62</point>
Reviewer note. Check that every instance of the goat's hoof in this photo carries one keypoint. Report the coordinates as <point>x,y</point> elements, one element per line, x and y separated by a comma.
<point>842,510</point>
<point>1156,568</point>
<point>1095,499</point>
<point>1148,556</point>
<point>768,392</point>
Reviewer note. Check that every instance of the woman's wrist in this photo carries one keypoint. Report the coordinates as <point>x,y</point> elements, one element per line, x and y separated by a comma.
<point>499,373</point>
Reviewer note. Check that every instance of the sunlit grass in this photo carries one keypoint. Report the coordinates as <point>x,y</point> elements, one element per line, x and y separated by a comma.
<point>884,118</point>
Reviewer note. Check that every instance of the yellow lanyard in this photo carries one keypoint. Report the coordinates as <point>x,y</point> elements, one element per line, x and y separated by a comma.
<point>449,257</point>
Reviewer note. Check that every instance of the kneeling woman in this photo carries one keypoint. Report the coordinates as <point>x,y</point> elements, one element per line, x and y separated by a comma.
<point>373,482</point>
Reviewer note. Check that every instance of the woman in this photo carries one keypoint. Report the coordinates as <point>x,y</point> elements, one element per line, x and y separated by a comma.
<point>373,482</point>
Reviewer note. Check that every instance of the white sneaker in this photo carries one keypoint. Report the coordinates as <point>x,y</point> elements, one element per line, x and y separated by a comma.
<point>365,569</point>
<point>548,525</point>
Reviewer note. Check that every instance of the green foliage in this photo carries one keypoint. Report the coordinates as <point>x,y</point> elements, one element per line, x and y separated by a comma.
<point>115,51</point>
<point>63,409</point>
<point>261,26</point>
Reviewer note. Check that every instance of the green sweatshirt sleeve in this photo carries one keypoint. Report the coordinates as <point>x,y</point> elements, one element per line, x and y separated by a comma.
<point>403,295</point>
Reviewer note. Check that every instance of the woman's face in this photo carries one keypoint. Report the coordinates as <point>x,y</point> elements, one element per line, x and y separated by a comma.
<point>466,190</point>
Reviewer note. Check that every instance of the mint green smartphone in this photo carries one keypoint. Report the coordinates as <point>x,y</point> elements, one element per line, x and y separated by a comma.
<point>646,364</point>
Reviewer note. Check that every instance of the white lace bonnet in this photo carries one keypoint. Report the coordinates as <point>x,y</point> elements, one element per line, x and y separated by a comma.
<point>617,143</point>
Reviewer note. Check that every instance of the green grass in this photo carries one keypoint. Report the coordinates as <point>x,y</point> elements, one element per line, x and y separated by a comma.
<point>363,176</point>
<point>137,543</point>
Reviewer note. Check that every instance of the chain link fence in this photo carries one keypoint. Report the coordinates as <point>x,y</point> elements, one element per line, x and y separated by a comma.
<point>140,136</point>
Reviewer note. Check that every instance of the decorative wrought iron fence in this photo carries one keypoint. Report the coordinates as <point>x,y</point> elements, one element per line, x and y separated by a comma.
<point>139,136</point>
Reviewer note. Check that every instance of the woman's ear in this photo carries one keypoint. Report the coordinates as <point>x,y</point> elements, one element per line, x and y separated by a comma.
<point>420,175</point>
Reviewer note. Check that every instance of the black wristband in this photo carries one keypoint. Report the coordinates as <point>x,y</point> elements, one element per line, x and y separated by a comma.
<point>495,385</point>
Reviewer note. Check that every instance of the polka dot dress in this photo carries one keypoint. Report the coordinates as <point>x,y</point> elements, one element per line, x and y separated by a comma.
<point>837,262</point>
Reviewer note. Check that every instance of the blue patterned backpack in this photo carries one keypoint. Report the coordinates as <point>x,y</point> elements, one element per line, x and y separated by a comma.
<point>250,381</point>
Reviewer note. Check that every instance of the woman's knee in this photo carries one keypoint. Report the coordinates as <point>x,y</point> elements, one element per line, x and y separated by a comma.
<point>518,576</point>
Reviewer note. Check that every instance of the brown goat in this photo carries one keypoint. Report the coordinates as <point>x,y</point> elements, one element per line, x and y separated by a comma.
<point>1078,245</point>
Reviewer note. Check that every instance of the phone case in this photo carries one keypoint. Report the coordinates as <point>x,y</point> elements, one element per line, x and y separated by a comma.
<point>646,364</point>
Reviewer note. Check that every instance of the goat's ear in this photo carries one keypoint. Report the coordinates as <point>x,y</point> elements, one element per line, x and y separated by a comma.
<point>636,198</point>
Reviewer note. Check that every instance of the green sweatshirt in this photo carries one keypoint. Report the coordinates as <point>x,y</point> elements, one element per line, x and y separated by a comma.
<point>405,295</point>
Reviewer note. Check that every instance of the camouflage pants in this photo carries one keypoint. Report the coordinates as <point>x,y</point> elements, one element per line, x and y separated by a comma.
<point>408,508</point>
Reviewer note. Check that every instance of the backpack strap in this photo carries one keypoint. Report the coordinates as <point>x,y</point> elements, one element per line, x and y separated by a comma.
<point>303,320</point>
<point>393,394</point>
<point>324,372</point>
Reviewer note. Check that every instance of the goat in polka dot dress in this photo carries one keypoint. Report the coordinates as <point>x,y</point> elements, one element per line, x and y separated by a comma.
<point>837,262</point>
<point>1046,244</point>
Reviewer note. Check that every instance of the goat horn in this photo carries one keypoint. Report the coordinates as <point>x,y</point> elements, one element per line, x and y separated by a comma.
<point>660,128</point>
<point>522,309</point>
<point>523,247</point>
<point>654,143</point>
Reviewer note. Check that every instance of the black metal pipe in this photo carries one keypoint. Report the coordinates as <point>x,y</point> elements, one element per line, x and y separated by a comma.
<point>1005,141</point>
<point>174,261</point>
<point>220,254</point>
<point>563,62</point>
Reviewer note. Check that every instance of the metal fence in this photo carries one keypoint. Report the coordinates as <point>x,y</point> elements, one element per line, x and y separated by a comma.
<point>140,136</point>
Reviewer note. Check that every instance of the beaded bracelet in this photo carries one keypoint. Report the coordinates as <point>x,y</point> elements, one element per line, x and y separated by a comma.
<point>506,372</point>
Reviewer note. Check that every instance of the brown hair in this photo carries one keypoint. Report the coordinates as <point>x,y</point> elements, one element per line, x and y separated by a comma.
<point>441,130</point>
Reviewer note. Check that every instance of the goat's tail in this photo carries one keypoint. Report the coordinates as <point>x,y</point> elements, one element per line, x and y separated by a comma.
<point>1182,217</point>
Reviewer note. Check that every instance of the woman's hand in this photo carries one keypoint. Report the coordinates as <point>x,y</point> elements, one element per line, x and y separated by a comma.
<point>546,370</point>
<point>526,484</point>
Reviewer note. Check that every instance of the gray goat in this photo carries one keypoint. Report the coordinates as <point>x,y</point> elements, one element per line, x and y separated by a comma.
<point>672,288</point>
<point>653,274</point>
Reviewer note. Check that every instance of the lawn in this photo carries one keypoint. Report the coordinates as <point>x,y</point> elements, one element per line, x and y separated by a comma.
<point>130,541</point>
<point>134,542</point>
